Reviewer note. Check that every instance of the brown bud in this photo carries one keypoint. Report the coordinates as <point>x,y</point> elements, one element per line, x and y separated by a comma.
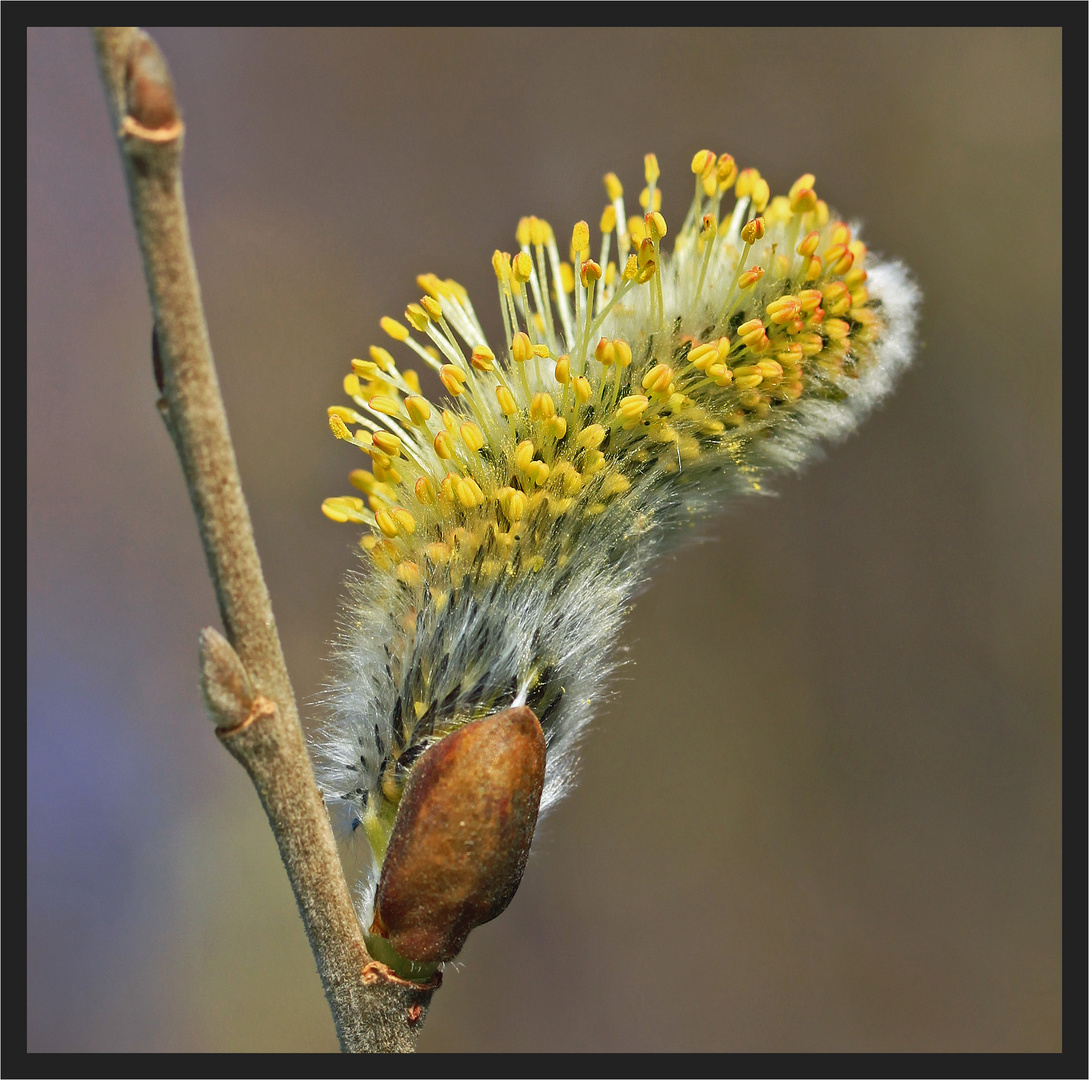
<point>462,835</point>
<point>148,87</point>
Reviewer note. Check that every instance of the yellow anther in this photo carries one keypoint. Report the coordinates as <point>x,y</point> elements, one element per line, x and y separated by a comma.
<point>393,328</point>
<point>750,277</point>
<point>632,407</point>
<point>662,432</point>
<point>334,510</point>
<point>841,233</point>
<point>437,552</point>
<point>366,369</point>
<point>563,369</point>
<point>820,214</point>
<point>646,272</point>
<point>387,523</point>
<point>523,454</point>
<point>613,188</point>
<point>589,273</point>
<point>539,231</point>
<point>806,180</point>
<point>409,572</point>
<point>784,310</point>
<point>608,219</point>
<point>656,225</point>
<point>813,271</point>
<point>425,491</point>
<point>614,484</point>
<point>592,463</point>
<point>621,352</point>
<point>444,445</point>
<point>566,477</point>
<point>522,267</point>
<point>650,169</point>
<point>417,317</point>
<point>745,180</point>
<point>645,199</point>
<point>778,211</point>
<point>658,379</point>
<point>811,343</point>
<point>753,231</point>
<point>631,268</point>
<point>521,234</point>
<point>388,443</point>
<point>364,481</point>
<point>837,298</point>
<point>837,329</point>
<point>859,297</point>
<point>637,230</point>
<point>582,389</point>
<point>542,407</point>
<point>590,438</point>
<point>789,354</point>
<point>567,277</point>
<point>482,358</point>
<point>747,377</point>
<point>760,194</point>
<point>858,249</point>
<point>453,378</point>
<point>709,228</point>
<point>450,421</point>
<point>855,277</point>
<point>725,171</point>
<point>703,162</point>
<point>770,369</point>
<point>340,429</point>
<point>506,401</point>
<point>412,380</point>
<point>556,427</point>
<point>472,436</point>
<point>580,240</point>
<point>432,307</point>
<point>751,327</point>
<point>521,347</point>
<point>720,374</point>
<point>809,245</point>
<point>432,284</point>
<point>839,259</point>
<point>703,355</point>
<point>805,201</point>
<point>383,404</point>
<point>810,299</point>
<point>466,495</point>
<point>537,472</point>
<point>604,352</point>
<point>405,520</point>
<point>351,386</point>
<point>513,503</point>
<point>500,264</point>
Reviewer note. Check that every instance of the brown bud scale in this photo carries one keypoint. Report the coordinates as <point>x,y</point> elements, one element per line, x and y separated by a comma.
<point>462,835</point>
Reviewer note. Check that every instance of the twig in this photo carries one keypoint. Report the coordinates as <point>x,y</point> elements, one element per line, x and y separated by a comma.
<point>244,677</point>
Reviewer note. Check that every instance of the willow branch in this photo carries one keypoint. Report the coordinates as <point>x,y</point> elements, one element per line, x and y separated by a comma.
<point>245,681</point>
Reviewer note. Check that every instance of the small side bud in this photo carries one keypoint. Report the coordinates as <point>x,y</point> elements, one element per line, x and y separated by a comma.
<point>225,687</point>
<point>462,835</point>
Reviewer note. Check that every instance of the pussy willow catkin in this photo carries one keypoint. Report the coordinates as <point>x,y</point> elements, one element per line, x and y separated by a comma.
<point>507,528</point>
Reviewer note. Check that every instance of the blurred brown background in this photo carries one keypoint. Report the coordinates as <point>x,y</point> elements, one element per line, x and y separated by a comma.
<point>823,810</point>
